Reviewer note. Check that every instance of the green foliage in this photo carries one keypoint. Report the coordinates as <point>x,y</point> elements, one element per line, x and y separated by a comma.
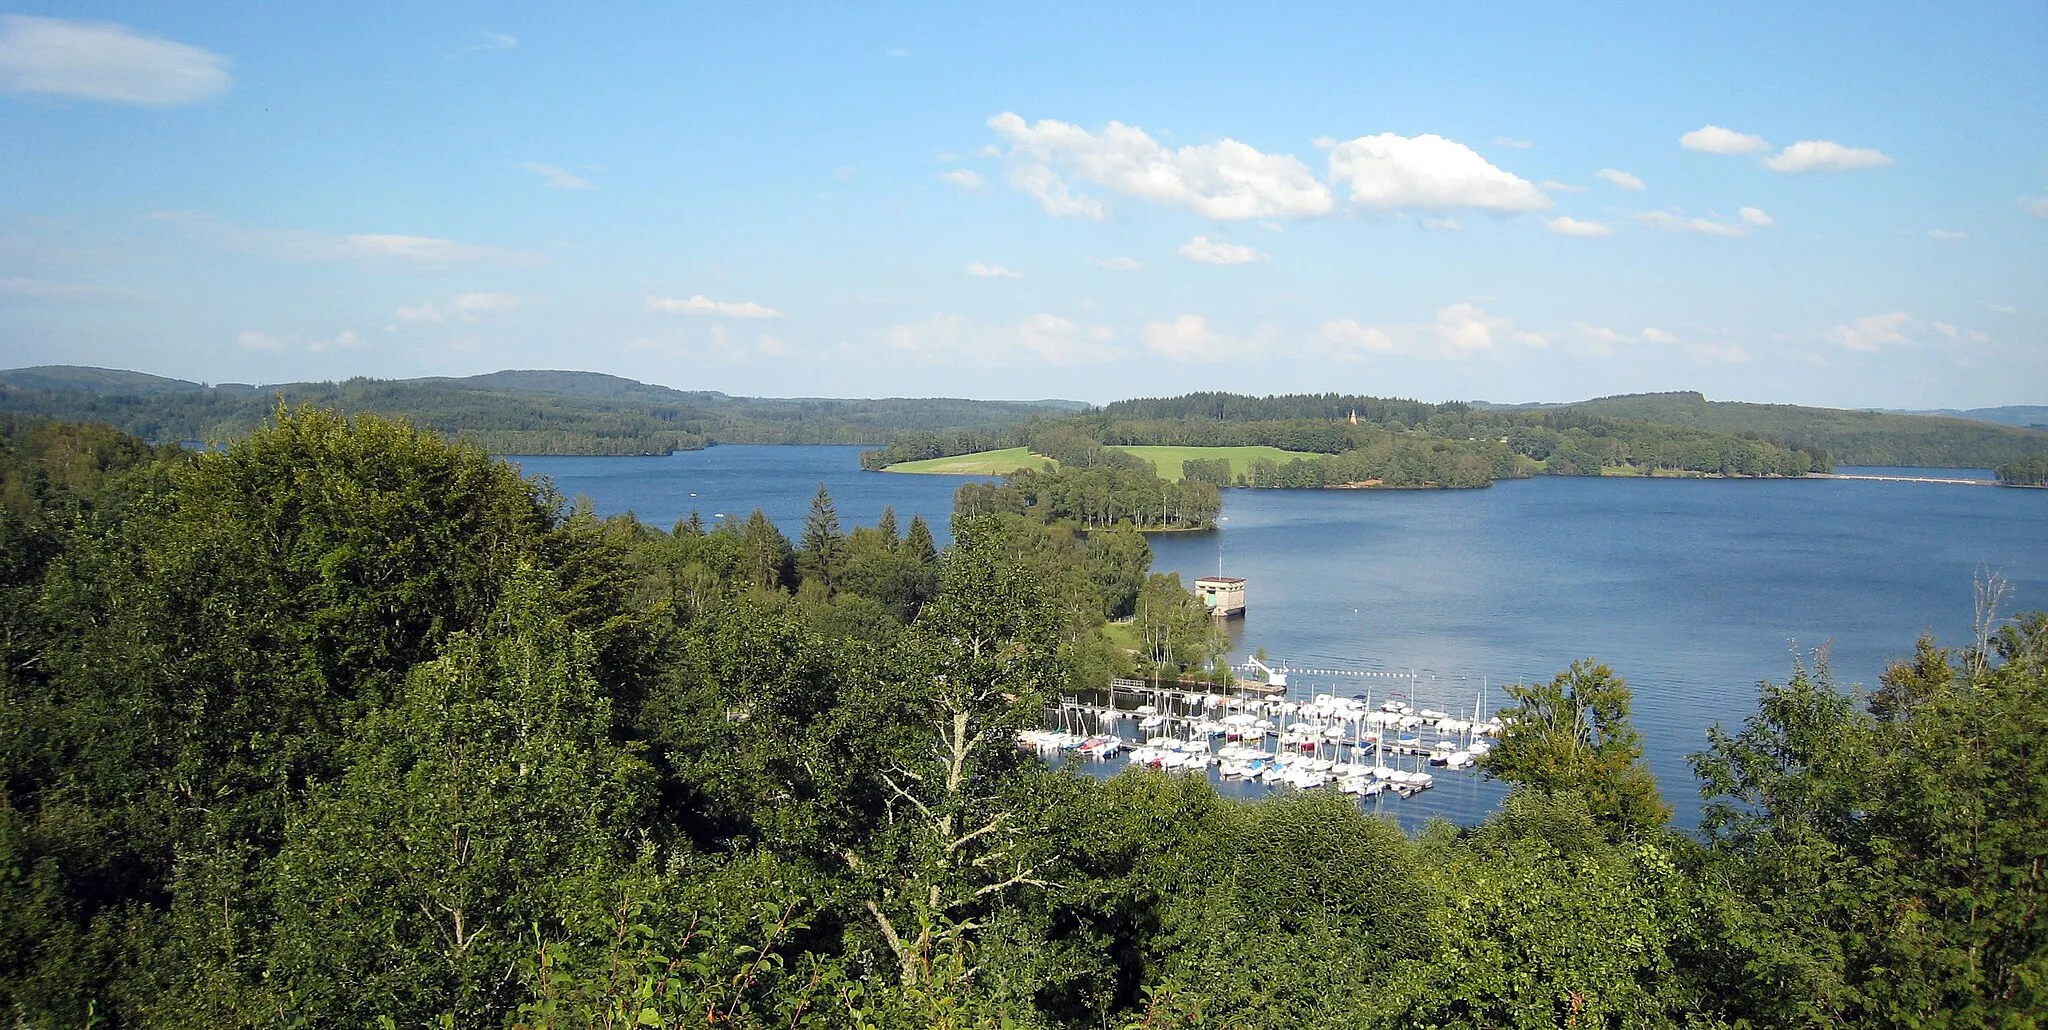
<point>1573,736</point>
<point>1097,497</point>
<point>2024,472</point>
<point>513,412</point>
<point>347,726</point>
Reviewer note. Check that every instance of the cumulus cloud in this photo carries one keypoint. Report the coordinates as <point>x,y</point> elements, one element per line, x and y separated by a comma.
<point>702,305</point>
<point>1621,179</point>
<point>1118,264</point>
<point>1754,216</point>
<point>1652,334</point>
<point>1459,332</point>
<point>1819,155</point>
<point>983,270</point>
<point>559,178</point>
<point>965,178</point>
<point>1554,186</point>
<point>1518,144</point>
<point>1713,139</point>
<point>1673,222</point>
<point>104,61</point>
<point>1217,252</point>
<point>1222,180</point>
<point>465,307</point>
<point>1871,333</point>
<point>1040,339</point>
<point>1427,173</point>
<point>1948,235</point>
<point>1189,338</point>
<point>1565,225</point>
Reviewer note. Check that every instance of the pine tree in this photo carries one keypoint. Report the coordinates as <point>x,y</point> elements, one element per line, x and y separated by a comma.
<point>918,542</point>
<point>823,546</point>
<point>888,526</point>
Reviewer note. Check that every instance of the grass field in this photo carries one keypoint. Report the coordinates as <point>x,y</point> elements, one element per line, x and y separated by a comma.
<point>1168,459</point>
<point>980,463</point>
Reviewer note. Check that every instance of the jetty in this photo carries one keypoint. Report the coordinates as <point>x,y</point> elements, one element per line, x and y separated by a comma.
<point>1947,481</point>
<point>1253,731</point>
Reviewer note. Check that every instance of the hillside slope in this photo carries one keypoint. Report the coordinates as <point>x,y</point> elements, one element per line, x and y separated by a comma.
<point>1850,437</point>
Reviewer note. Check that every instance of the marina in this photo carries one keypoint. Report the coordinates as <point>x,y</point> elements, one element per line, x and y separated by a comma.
<point>1264,734</point>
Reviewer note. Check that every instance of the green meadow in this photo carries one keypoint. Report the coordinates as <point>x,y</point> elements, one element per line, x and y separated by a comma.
<point>980,463</point>
<point>1168,460</point>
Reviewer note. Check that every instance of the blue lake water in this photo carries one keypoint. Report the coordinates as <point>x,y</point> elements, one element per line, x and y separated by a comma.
<point>1692,590</point>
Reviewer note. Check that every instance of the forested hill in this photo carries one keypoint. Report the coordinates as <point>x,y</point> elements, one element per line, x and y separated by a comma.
<point>1852,437</point>
<point>510,412</point>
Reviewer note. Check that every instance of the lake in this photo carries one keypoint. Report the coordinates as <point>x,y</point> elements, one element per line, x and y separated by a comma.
<point>1693,590</point>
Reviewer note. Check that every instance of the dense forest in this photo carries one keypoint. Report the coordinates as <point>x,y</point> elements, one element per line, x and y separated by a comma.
<point>1851,437</point>
<point>1392,443</point>
<point>502,412</point>
<point>2026,472</point>
<point>346,725</point>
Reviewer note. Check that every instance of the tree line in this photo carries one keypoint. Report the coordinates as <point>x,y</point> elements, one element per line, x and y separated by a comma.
<point>346,725</point>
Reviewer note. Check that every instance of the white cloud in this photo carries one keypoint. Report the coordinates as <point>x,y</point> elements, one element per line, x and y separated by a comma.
<point>1223,180</point>
<point>1217,252</point>
<point>1872,332</point>
<point>1518,144</point>
<point>1565,225</point>
<point>896,52</point>
<point>1948,235</point>
<point>965,178</point>
<point>559,178</point>
<point>1441,224</point>
<point>1621,179</point>
<point>982,270</point>
<point>2005,309</point>
<point>1819,155</point>
<point>50,289</point>
<point>1754,216</point>
<point>464,307</point>
<point>1713,139</point>
<point>425,253</point>
<point>702,305</point>
<point>1652,334</point>
<point>1428,173</point>
<point>1039,339</point>
<point>103,61</point>
<point>251,339</point>
<point>1552,185</point>
<point>1671,222</point>
<point>2036,206</point>
<point>1458,333</point>
<point>431,251</point>
<point>488,40</point>
<point>1118,264</point>
<point>1189,338</point>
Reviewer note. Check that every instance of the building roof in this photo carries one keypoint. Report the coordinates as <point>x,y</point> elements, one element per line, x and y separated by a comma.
<point>1221,581</point>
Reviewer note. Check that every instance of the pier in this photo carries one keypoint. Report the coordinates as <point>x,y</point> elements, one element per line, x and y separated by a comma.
<point>1905,479</point>
<point>1253,731</point>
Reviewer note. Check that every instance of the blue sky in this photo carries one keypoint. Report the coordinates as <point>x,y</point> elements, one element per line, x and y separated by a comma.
<point>1828,204</point>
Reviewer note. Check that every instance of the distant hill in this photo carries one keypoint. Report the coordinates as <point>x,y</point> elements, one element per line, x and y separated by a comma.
<point>1851,437</point>
<point>2026,416</point>
<point>97,381</point>
<point>509,412</point>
